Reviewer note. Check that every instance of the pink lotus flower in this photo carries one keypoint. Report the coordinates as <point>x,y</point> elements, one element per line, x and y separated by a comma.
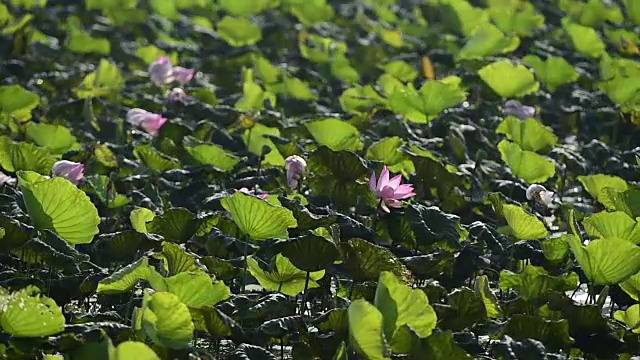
<point>390,192</point>
<point>148,121</point>
<point>252,192</point>
<point>161,72</point>
<point>69,170</point>
<point>296,168</point>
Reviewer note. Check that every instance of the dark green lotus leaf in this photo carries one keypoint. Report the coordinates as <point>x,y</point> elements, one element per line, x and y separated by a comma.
<point>336,175</point>
<point>154,159</point>
<point>37,252</point>
<point>123,246</point>
<point>288,325</point>
<point>439,346</point>
<point>250,352</point>
<point>221,268</point>
<point>554,334</point>
<point>464,309</point>
<point>310,252</point>
<point>365,261</point>
<point>15,233</point>
<point>333,320</point>
<point>175,225</point>
<point>526,349</point>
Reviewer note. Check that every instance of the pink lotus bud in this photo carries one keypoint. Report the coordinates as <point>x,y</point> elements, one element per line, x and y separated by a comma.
<point>252,192</point>
<point>69,170</point>
<point>390,192</point>
<point>296,168</point>
<point>161,71</point>
<point>148,121</point>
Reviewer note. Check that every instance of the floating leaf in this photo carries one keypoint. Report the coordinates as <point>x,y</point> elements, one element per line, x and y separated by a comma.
<point>508,79</point>
<point>58,205</point>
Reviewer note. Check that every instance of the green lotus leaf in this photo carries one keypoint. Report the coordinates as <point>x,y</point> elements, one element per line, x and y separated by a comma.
<point>526,165</point>
<point>509,80</point>
<point>529,134</point>
<point>607,261</point>
<point>58,205</point>
<point>400,70</point>
<point>58,139</point>
<point>27,313</point>
<point>401,305</point>
<point>592,13</point>
<point>106,81</point>
<point>633,11</point>
<point>534,282</point>
<point>487,40</point>
<point>388,151</point>
<point>17,101</point>
<point>166,320</point>
<point>585,39</point>
<point>622,90</point>
<point>554,71</point>
<point>441,346</point>
<point>612,224</point>
<point>335,134</point>
<point>424,105</point>
<point>462,17</point>
<point>285,277</point>
<point>298,89</point>
<point>16,156</point>
<point>523,225</point>
<point>81,42</point>
<point>139,218</point>
<point>176,225</point>
<point>245,7</point>
<point>257,218</point>
<point>239,31</point>
<point>211,154</point>
<point>630,317</point>
<point>360,99</point>
<point>555,249</point>
<point>594,184</point>
<point>366,330</point>
<point>196,289</point>
<point>632,286</point>
<point>521,19</point>
<point>310,252</point>
<point>125,278</point>
<point>155,160</point>
<point>255,140</point>
<point>482,290</point>
<point>312,12</point>
<point>627,201</point>
<point>134,349</point>
<point>177,260</point>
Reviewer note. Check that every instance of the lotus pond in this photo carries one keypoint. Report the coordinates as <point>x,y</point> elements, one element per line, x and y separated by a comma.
<point>316,179</point>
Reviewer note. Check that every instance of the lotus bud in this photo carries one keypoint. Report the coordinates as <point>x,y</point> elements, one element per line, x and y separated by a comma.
<point>296,168</point>
<point>150,122</point>
<point>6,179</point>
<point>69,170</point>
<point>161,71</point>
<point>540,194</point>
<point>183,75</point>
<point>515,108</point>
<point>178,95</point>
